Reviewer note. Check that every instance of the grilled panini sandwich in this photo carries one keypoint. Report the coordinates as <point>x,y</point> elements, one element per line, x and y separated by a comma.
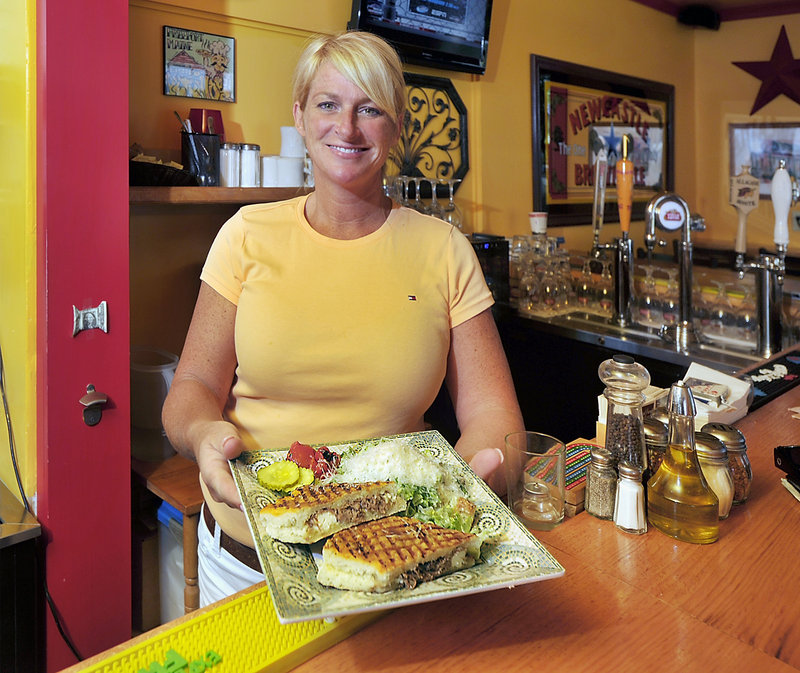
<point>394,552</point>
<point>310,513</point>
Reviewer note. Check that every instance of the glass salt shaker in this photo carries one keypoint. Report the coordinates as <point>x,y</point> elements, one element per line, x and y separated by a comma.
<point>629,515</point>
<point>601,484</point>
<point>713,458</point>
<point>249,175</point>
<point>229,164</point>
<point>741,470</point>
<point>625,382</point>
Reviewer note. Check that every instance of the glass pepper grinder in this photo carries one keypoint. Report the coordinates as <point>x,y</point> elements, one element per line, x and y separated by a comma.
<point>680,503</point>
<point>625,382</point>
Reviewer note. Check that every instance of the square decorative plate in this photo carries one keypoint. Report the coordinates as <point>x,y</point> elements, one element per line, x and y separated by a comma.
<point>510,557</point>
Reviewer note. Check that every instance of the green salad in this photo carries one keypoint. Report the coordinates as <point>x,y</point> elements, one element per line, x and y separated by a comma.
<point>424,503</point>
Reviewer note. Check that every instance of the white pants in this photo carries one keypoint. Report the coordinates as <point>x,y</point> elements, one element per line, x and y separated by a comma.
<point>218,573</point>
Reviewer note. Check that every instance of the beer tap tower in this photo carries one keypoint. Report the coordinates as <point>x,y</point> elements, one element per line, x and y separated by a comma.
<point>621,248</point>
<point>769,268</point>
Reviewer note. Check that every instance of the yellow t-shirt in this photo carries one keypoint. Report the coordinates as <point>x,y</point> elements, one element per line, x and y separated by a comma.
<point>339,339</point>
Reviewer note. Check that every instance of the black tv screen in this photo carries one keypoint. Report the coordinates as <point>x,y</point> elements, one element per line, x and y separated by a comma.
<point>447,34</point>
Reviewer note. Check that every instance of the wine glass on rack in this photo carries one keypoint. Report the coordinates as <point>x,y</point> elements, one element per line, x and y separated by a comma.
<point>746,318</point>
<point>419,205</point>
<point>649,316</point>
<point>435,208</point>
<point>452,213</point>
<point>723,313</point>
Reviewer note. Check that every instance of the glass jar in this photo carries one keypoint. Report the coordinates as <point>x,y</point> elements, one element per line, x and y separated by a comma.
<point>625,381</point>
<point>735,443</point>
<point>680,502</point>
<point>713,457</point>
<point>229,163</point>
<point>249,175</point>
<point>601,484</point>
<point>655,439</point>
<point>629,513</point>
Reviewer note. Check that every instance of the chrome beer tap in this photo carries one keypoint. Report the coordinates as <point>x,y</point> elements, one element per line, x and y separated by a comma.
<point>670,212</point>
<point>621,248</point>
<point>771,268</point>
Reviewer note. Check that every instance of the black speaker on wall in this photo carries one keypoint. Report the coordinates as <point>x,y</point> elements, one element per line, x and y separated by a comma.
<point>699,15</point>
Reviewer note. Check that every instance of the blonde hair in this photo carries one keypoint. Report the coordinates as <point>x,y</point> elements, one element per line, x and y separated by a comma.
<point>365,59</point>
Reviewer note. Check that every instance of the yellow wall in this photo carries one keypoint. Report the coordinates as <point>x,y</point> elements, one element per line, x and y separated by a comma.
<point>617,35</point>
<point>725,95</point>
<point>18,238</point>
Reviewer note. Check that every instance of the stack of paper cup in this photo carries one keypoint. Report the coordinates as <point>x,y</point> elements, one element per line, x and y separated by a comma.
<point>292,144</point>
<point>290,172</point>
<point>269,170</point>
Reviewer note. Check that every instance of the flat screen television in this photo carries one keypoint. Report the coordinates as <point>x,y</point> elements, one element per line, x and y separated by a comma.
<point>446,34</point>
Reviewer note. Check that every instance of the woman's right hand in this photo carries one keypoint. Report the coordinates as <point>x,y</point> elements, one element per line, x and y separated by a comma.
<point>219,444</point>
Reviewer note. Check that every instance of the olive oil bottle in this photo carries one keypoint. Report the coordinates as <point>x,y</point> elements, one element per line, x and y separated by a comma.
<point>680,502</point>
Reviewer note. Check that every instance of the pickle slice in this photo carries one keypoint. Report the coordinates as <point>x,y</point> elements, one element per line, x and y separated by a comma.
<point>279,476</point>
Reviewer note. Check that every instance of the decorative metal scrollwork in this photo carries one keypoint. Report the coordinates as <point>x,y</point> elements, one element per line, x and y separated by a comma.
<point>433,137</point>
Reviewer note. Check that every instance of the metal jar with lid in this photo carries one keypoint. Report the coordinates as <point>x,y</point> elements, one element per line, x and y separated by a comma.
<point>601,484</point>
<point>655,439</point>
<point>735,443</point>
<point>229,164</point>
<point>250,175</point>
<point>713,458</point>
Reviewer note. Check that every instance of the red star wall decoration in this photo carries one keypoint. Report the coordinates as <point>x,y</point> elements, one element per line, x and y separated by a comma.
<point>779,75</point>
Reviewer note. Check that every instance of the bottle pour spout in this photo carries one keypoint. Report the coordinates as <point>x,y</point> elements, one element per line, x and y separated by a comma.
<point>681,400</point>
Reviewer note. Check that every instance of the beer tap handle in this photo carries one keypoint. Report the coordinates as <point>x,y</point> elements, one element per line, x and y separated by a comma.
<point>600,171</point>
<point>781,202</point>
<point>624,171</point>
<point>743,197</point>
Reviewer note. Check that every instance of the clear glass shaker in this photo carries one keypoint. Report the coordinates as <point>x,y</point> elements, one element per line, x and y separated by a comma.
<point>741,470</point>
<point>625,382</point>
<point>601,484</point>
<point>629,513</point>
<point>713,457</point>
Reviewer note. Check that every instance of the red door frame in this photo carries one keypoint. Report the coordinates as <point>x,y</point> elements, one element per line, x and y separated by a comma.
<point>83,473</point>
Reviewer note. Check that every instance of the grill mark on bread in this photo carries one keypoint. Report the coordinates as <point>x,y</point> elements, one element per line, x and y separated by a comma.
<point>318,494</point>
<point>394,541</point>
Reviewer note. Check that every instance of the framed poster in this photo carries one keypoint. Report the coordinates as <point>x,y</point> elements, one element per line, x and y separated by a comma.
<point>576,111</point>
<point>199,65</point>
<point>762,146</point>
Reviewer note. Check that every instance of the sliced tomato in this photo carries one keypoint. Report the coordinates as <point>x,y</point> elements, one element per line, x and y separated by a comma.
<point>302,454</point>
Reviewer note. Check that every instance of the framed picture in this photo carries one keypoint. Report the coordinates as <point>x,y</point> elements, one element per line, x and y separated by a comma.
<point>199,65</point>
<point>762,146</point>
<point>433,137</point>
<point>576,111</point>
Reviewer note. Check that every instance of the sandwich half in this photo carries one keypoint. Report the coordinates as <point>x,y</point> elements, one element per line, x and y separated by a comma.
<point>393,553</point>
<point>310,513</point>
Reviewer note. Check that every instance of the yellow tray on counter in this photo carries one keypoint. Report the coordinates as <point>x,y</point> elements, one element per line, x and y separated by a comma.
<point>240,635</point>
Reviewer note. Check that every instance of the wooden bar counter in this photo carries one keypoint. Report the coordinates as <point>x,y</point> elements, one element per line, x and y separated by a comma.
<point>627,603</point>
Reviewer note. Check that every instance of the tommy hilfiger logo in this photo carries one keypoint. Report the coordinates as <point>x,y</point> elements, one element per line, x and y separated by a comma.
<point>412,297</point>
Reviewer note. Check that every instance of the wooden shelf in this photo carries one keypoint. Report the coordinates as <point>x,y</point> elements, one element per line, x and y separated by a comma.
<point>211,195</point>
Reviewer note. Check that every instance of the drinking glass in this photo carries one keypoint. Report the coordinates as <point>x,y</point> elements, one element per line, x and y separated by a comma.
<point>646,304</point>
<point>535,467</point>
<point>419,205</point>
<point>723,314</point>
<point>584,293</point>
<point>746,316</point>
<point>670,298</point>
<point>605,290</point>
<point>435,208</point>
<point>452,213</point>
<point>530,291</point>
